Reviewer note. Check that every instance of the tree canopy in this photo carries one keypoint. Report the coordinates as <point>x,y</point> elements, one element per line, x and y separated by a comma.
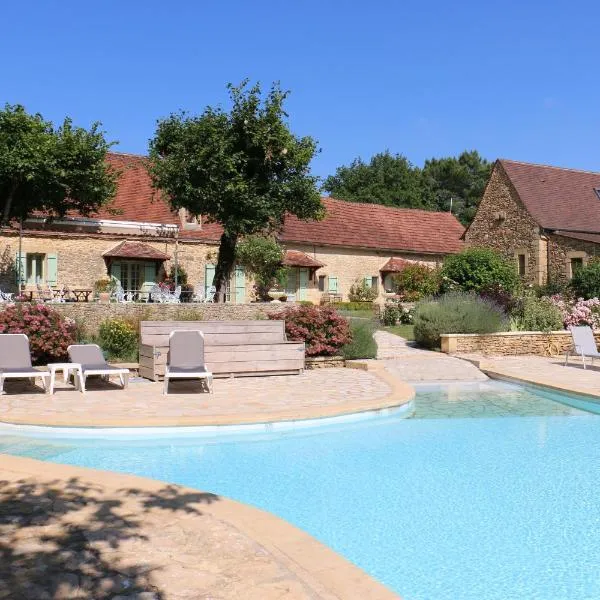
<point>386,179</point>
<point>392,180</point>
<point>54,170</point>
<point>461,179</point>
<point>244,168</point>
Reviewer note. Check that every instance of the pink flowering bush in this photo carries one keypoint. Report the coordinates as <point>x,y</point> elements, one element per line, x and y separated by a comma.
<point>578,312</point>
<point>48,331</point>
<point>321,328</point>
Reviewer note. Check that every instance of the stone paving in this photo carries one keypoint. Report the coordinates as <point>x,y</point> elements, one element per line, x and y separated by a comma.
<point>245,399</point>
<point>71,533</point>
<point>543,371</point>
<point>412,364</point>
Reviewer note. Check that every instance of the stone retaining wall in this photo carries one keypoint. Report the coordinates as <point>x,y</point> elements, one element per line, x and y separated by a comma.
<point>324,362</point>
<point>509,343</point>
<point>91,314</point>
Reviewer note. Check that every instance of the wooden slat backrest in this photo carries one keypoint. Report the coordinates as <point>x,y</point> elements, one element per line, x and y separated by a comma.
<point>156,333</point>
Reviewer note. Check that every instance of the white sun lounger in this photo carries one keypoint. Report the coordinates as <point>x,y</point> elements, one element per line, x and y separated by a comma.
<point>584,344</point>
<point>92,362</point>
<point>186,358</point>
<point>15,360</point>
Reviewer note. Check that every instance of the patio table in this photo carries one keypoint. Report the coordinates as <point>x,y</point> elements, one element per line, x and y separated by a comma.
<point>81,295</point>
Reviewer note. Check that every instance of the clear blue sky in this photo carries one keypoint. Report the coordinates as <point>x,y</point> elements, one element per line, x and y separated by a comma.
<point>515,79</point>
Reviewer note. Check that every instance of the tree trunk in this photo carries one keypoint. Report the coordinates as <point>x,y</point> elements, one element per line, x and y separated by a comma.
<point>8,204</point>
<point>224,265</point>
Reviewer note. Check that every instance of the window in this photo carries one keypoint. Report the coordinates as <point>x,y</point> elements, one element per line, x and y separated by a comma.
<point>576,263</point>
<point>36,268</point>
<point>375,283</point>
<point>321,283</point>
<point>521,263</point>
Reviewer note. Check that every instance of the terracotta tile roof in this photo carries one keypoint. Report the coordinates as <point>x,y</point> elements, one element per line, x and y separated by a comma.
<point>295,258</point>
<point>377,226</point>
<point>557,198</point>
<point>395,265</point>
<point>129,249</point>
<point>346,224</point>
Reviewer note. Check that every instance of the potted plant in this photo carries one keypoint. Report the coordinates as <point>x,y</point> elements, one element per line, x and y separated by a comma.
<point>102,289</point>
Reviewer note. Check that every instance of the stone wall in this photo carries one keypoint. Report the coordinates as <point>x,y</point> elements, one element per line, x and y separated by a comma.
<point>561,249</point>
<point>511,343</point>
<point>91,314</point>
<point>503,224</point>
<point>80,260</point>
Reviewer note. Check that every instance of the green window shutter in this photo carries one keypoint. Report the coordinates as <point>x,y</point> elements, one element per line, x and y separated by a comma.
<point>367,282</point>
<point>22,262</point>
<point>149,276</point>
<point>333,284</point>
<point>303,289</point>
<point>240,285</point>
<point>51,269</point>
<point>209,276</point>
<point>115,271</point>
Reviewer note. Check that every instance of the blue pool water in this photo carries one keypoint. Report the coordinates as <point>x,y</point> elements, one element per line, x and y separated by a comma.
<point>463,502</point>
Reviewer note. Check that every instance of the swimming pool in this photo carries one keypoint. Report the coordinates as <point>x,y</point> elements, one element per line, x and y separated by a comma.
<point>466,502</point>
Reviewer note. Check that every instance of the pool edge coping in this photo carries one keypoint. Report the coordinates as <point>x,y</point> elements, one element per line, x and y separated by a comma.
<point>325,572</point>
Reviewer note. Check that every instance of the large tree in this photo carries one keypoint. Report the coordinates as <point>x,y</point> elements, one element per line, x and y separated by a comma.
<point>457,183</point>
<point>244,168</point>
<point>386,179</point>
<point>392,180</point>
<point>54,170</point>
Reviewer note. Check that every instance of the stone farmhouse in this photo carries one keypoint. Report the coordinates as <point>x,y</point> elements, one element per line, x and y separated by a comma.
<point>135,239</point>
<point>546,219</point>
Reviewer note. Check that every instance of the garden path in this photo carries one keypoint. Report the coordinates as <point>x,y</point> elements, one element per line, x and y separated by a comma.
<point>403,360</point>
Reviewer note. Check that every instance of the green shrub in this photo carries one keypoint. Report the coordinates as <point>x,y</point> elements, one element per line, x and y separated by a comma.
<point>262,256</point>
<point>586,281</point>
<point>48,331</point>
<point>363,343</point>
<point>478,269</point>
<point>119,339</point>
<point>360,291</point>
<point>538,314</point>
<point>321,328</point>
<point>305,303</point>
<point>391,314</point>
<point>416,281</point>
<point>456,312</point>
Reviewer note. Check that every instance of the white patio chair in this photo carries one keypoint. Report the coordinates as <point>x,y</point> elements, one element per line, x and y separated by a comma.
<point>174,298</point>
<point>584,344</point>
<point>92,362</point>
<point>120,296</point>
<point>198,293</point>
<point>210,295</point>
<point>15,360</point>
<point>186,358</point>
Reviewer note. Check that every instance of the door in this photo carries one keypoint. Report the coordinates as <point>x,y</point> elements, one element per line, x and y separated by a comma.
<point>303,287</point>
<point>240,285</point>
<point>291,285</point>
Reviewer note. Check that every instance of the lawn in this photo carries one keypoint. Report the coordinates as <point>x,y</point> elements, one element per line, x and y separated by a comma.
<point>405,331</point>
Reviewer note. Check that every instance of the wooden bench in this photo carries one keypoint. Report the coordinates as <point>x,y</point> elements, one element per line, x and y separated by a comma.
<point>232,348</point>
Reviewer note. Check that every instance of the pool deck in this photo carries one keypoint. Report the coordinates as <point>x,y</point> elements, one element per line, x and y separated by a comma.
<point>312,395</point>
<point>543,371</point>
<point>73,533</point>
